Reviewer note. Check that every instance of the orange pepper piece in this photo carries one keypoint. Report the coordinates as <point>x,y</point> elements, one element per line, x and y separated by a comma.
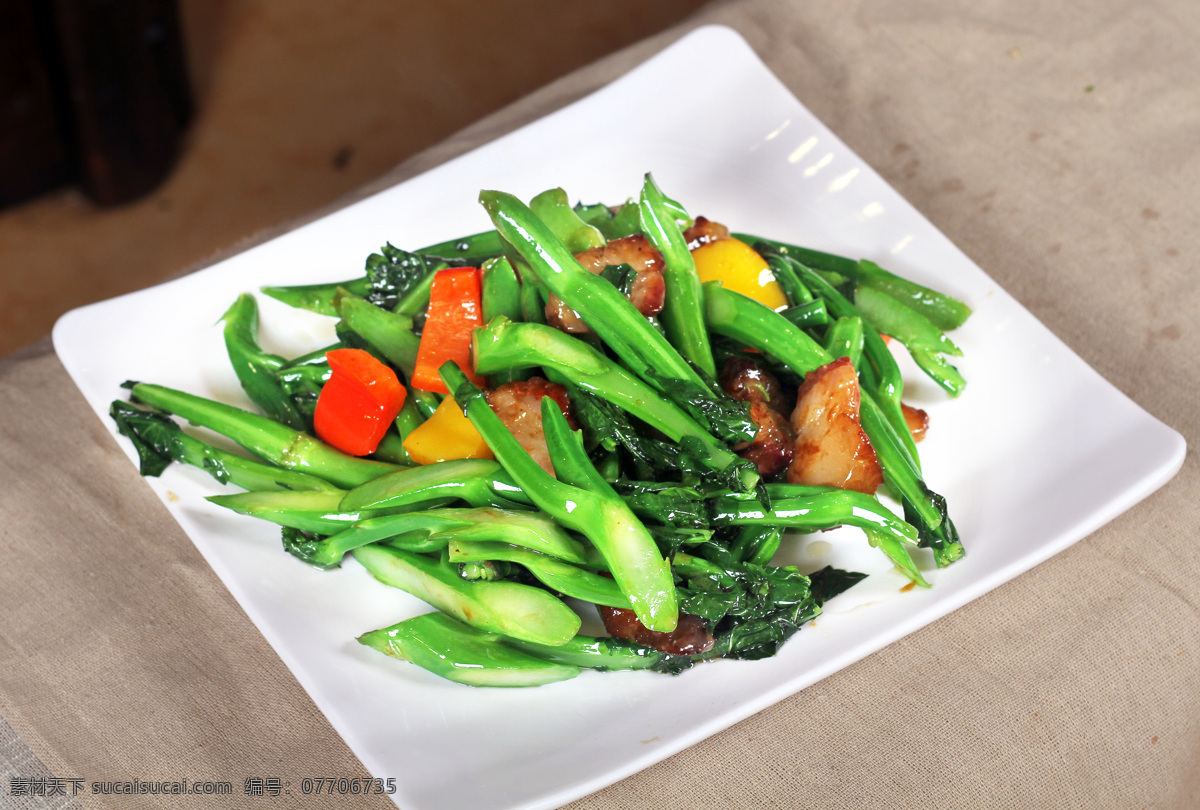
<point>358,402</point>
<point>455,310</point>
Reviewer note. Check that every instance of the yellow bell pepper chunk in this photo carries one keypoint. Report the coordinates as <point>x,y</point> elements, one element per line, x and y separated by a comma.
<point>740,269</point>
<point>446,435</point>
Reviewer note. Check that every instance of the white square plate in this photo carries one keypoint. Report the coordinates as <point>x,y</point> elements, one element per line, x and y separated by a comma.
<point>1025,476</point>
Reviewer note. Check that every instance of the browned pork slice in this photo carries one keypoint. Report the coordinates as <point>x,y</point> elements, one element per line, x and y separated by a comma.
<point>917,421</point>
<point>831,448</point>
<point>647,291</point>
<point>689,637</point>
<point>519,406</point>
<point>746,381</point>
<point>704,231</point>
<point>773,445</point>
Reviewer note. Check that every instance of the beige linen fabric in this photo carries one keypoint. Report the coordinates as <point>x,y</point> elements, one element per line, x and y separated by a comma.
<point>1059,146</point>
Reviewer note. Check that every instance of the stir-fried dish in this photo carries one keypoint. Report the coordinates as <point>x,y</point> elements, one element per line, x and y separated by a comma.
<point>587,408</point>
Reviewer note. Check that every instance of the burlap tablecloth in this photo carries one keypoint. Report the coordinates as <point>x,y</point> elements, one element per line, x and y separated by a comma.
<point>1058,144</point>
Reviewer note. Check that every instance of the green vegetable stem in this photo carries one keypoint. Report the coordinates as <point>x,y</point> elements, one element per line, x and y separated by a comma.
<point>603,653</point>
<point>459,652</point>
<point>395,279</point>
<point>810,509</point>
<point>924,341</point>
<point>503,344</point>
<point>844,338</point>
<point>465,654</point>
<point>159,441</point>
<point>594,511</point>
<point>640,347</point>
<point>553,208</point>
<point>267,439</point>
<point>318,512</point>
<point>944,311</point>
<point>557,575</point>
<point>808,315</point>
<point>501,293</point>
<point>683,308</point>
<point>430,530</point>
<point>256,369</point>
<point>475,481</point>
<point>508,608</point>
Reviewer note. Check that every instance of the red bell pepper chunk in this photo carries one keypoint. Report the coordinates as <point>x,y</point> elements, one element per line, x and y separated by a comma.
<point>455,311</point>
<point>358,402</point>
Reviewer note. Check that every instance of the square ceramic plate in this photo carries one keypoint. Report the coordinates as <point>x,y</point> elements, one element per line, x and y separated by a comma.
<point>1084,452</point>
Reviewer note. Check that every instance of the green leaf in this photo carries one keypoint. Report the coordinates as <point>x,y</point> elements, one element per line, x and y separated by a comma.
<point>393,272</point>
<point>305,546</point>
<point>154,436</point>
<point>751,609</point>
<point>829,582</point>
<point>725,416</point>
<point>612,428</point>
<point>620,276</point>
